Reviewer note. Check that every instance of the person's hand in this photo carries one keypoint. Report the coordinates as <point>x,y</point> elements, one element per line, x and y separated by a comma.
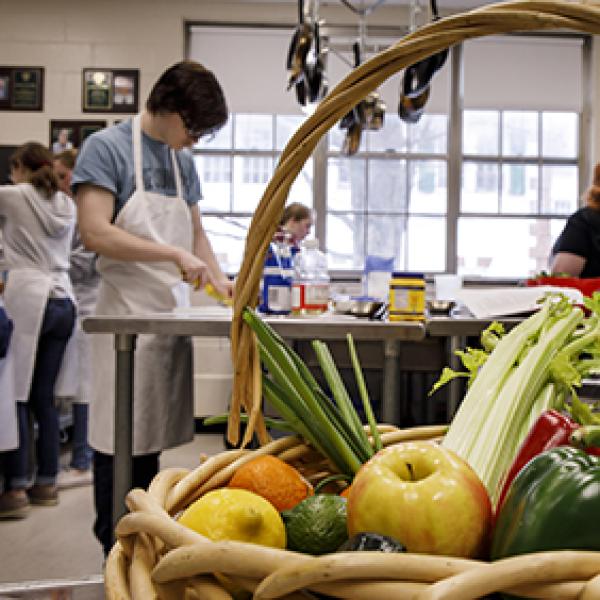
<point>193,270</point>
<point>225,286</point>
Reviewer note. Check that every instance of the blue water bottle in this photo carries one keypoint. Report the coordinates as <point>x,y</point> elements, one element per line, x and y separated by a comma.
<point>276,293</point>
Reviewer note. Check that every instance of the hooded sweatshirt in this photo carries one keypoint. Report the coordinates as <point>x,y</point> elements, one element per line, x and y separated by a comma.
<point>37,233</point>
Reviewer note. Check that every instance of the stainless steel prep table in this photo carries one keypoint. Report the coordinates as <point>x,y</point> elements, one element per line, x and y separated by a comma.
<point>325,327</point>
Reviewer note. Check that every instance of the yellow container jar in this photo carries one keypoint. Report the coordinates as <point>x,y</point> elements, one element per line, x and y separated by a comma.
<point>407,297</point>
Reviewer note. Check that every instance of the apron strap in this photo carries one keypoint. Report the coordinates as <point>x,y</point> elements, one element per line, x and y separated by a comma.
<point>136,131</point>
<point>138,160</point>
<point>177,175</point>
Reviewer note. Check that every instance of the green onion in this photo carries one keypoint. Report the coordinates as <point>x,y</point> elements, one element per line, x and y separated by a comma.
<point>362,388</point>
<point>333,428</point>
<point>270,422</point>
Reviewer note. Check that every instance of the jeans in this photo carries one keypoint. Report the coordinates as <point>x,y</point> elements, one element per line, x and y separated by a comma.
<point>145,467</point>
<point>81,453</point>
<point>57,326</point>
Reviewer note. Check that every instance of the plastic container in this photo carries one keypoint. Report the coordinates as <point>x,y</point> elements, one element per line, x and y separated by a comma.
<point>407,297</point>
<point>310,288</point>
<point>276,284</point>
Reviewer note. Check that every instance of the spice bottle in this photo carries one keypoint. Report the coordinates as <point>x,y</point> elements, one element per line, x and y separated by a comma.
<point>407,297</point>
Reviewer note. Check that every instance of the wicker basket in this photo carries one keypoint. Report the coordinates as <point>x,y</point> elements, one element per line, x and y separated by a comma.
<point>155,557</point>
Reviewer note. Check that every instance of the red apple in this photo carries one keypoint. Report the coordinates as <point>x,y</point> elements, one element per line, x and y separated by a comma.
<point>424,496</point>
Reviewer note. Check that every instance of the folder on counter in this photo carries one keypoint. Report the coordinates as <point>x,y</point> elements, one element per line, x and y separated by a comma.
<point>486,303</point>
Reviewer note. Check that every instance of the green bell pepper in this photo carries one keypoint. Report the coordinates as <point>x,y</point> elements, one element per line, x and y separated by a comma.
<point>552,504</point>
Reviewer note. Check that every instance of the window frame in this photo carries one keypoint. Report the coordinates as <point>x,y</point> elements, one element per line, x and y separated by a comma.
<point>454,156</point>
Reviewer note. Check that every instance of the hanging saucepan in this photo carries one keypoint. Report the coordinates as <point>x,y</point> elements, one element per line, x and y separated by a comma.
<point>354,120</point>
<point>374,111</point>
<point>416,81</point>
<point>301,43</point>
<point>314,70</point>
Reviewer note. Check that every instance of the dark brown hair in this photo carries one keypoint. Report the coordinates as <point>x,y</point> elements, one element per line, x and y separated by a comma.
<point>593,194</point>
<point>67,158</point>
<point>295,212</point>
<point>192,91</point>
<point>38,160</point>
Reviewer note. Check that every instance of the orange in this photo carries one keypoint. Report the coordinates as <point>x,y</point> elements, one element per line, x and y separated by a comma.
<point>345,492</point>
<point>273,479</point>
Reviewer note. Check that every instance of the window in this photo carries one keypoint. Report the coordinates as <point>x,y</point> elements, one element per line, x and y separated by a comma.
<point>234,168</point>
<point>492,209</point>
<point>518,186</point>
<point>390,197</point>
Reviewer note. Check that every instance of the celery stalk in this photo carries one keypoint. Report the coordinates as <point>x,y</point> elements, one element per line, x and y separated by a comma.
<point>476,404</point>
<point>495,431</point>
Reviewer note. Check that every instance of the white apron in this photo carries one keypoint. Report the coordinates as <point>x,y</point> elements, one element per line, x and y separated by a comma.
<point>25,298</point>
<point>163,414</point>
<point>9,438</point>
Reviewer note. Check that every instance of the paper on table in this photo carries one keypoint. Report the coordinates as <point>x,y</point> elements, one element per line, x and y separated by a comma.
<point>498,302</point>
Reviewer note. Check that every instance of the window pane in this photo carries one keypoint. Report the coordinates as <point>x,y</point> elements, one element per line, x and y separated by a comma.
<point>286,126</point>
<point>559,134</point>
<point>214,172</point>
<point>479,191</point>
<point>483,247</point>
<point>390,138</point>
<point>519,188</point>
<point>346,241</point>
<point>250,177</point>
<point>253,132</point>
<point>387,186</point>
<point>386,236</point>
<point>559,189</point>
<point>428,193</point>
<point>520,133</point>
<point>429,135</point>
<point>426,244</point>
<point>346,184</point>
<point>480,132</point>
<point>302,188</point>
<point>227,236</point>
<point>221,141</point>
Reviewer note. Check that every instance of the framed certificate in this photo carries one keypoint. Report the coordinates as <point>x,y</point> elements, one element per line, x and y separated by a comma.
<point>97,90</point>
<point>66,134</point>
<point>22,88</point>
<point>110,90</point>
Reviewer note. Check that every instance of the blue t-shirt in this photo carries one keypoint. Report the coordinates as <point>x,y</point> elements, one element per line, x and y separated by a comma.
<point>106,160</point>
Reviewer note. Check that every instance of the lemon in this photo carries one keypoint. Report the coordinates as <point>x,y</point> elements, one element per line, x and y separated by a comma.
<point>234,514</point>
<point>317,525</point>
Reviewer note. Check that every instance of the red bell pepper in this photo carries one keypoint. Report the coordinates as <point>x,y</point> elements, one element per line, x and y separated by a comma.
<point>551,429</point>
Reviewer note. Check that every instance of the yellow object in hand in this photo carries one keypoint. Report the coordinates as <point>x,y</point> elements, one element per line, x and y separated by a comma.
<point>212,292</point>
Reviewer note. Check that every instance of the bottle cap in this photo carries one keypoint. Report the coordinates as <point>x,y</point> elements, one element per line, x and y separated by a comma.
<point>407,275</point>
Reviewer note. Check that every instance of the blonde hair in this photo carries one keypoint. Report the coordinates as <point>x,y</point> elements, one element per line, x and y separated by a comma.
<point>67,158</point>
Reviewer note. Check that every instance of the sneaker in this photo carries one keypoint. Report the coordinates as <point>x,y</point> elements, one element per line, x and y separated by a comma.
<point>14,504</point>
<point>43,495</point>
<point>68,478</point>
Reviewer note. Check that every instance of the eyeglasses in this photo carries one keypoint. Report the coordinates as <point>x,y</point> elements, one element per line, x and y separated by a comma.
<point>196,133</point>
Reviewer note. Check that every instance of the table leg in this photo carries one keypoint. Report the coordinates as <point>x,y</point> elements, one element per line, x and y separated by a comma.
<point>122,466</point>
<point>390,401</point>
